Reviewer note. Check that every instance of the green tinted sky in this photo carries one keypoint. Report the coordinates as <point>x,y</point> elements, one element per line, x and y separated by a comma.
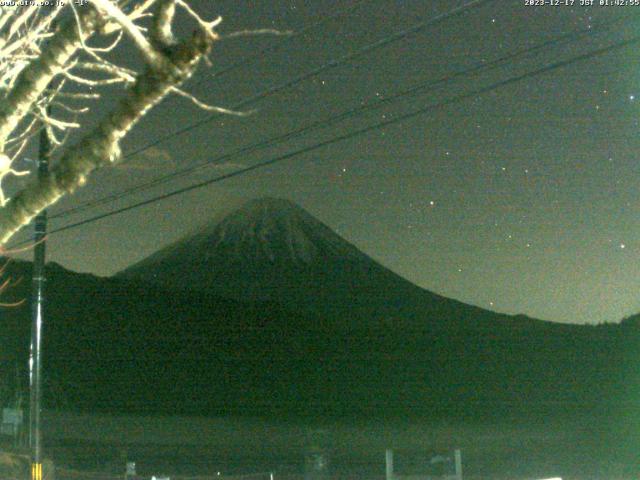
<point>521,200</point>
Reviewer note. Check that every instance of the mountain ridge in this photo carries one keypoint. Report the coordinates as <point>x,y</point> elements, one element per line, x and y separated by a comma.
<point>333,337</point>
<point>272,249</point>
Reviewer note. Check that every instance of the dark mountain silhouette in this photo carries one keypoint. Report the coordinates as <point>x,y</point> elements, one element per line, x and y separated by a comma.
<point>270,312</point>
<point>271,249</point>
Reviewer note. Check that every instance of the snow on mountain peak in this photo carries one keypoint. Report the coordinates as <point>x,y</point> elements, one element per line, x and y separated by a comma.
<point>270,230</point>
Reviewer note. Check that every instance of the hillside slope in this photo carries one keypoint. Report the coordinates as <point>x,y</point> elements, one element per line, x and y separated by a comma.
<point>269,312</point>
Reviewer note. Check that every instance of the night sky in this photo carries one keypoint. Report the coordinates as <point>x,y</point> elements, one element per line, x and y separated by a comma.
<point>524,199</point>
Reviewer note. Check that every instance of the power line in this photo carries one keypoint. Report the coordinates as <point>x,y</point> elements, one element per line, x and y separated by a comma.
<point>316,71</point>
<point>377,126</point>
<point>420,88</point>
<point>271,49</point>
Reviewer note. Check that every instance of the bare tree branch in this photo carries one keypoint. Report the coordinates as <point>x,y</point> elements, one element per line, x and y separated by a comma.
<point>101,146</point>
<point>145,47</point>
<point>34,79</point>
<point>42,64</point>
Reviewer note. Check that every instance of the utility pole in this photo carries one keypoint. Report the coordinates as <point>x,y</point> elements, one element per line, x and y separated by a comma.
<point>37,308</point>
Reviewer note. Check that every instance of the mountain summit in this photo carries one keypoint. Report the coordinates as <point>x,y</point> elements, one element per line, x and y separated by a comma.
<point>270,249</point>
<point>268,231</point>
<point>268,310</point>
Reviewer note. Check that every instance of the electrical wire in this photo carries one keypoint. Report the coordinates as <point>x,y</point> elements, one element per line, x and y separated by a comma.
<point>316,71</point>
<point>273,48</point>
<point>420,88</point>
<point>355,133</point>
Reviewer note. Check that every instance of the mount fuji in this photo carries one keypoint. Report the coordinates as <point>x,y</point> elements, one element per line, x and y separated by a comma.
<point>270,249</point>
<point>269,311</point>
